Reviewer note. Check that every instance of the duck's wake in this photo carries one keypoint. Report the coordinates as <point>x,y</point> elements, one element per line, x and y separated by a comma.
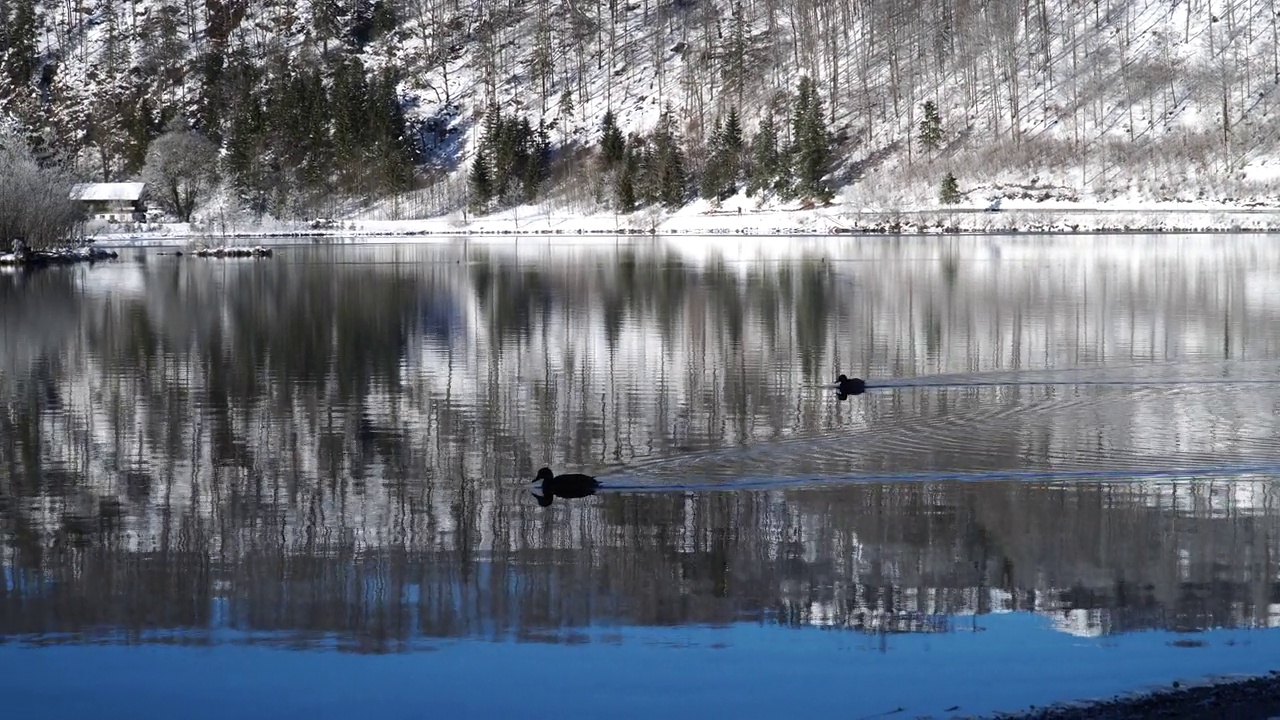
<point>631,483</point>
<point>1214,373</point>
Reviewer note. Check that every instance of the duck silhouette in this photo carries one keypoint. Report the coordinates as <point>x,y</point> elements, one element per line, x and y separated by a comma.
<point>568,486</point>
<point>850,386</point>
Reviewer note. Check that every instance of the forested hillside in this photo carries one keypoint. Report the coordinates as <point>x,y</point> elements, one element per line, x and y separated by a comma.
<point>419,107</point>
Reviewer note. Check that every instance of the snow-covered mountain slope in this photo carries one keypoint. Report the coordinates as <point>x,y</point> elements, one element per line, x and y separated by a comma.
<point>1058,98</point>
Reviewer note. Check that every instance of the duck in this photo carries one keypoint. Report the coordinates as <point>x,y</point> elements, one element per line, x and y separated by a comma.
<point>850,386</point>
<point>567,486</point>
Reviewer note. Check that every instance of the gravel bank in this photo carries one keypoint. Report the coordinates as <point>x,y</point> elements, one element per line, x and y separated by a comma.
<point>1239,700</point>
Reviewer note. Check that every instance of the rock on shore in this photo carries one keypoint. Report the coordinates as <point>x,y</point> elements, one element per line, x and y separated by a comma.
<point>234,251</point>
<point>21,256</point>
<point>1257,697</point>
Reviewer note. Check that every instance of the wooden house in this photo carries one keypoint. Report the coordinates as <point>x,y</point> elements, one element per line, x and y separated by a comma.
<point>113,202</point>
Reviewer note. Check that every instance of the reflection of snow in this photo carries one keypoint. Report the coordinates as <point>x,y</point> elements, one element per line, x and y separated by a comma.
<point>1080,622</point>
<point>1237,496</point>
<point>118,280</point>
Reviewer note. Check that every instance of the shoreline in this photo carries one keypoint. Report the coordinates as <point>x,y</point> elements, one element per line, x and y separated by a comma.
<point>217,241</point>
<point>1238,697</point>
<point>41,258</point>
<point>835,221</point>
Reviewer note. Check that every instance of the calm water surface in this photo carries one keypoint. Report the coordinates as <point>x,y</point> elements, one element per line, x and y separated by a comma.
<point>299,487</point>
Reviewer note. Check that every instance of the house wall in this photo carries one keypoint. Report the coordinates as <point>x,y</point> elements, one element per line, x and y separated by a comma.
<point>115,210</point>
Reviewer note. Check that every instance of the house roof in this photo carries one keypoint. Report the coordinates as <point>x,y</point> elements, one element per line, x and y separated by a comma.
<point>107,191</point>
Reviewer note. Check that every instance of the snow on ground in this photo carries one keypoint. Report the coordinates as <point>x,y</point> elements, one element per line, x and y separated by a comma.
<point>738,216</point>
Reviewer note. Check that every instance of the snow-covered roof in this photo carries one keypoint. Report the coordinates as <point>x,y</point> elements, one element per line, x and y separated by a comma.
<point>107,191</point>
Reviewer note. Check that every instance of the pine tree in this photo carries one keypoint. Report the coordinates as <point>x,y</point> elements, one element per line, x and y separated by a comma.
<point>369,20</point>
<point>670,180</point>
<point>390,148</point>
<point>624,186</point>
<point>949,193</point>
<point>304,141</point>
<point>713,172</point>
<point>810,152</point>
<point>612,144</point>
<point>348,107</point>
<point>517,157</point>
<point>539,162</point>
<point>212,103</point>
<point>18,55</point>
<point>385,19</point>
<point>497,151</point>
<point>765,162</point>
<point>164,45</point>
<point>731,146</point>
<point>566,107</point>
<point>326,20</point>
<point>243,159</point>
<point>141,124</point>
<point>930,127</point>
<point>647,172</point>
<point>733,140</point>
<point>735,57</point>
<point>481,184</point>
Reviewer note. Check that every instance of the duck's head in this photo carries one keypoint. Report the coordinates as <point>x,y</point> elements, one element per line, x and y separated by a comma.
<point>842,379</point>
<point>544,474</point>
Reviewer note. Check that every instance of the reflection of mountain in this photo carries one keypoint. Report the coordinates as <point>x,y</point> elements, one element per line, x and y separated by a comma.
<point>340,443</point>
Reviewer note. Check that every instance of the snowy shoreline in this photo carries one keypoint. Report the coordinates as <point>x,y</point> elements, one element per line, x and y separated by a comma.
<point>700,220</point>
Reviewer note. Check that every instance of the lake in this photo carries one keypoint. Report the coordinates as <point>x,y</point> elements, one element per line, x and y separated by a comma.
<point>300,486</point>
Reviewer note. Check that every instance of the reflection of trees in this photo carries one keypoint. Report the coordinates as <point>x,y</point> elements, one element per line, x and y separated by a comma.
<point>900,557</point>
<point>320,449</point>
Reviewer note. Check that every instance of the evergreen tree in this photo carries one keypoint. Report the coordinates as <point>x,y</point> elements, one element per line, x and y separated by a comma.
<point>303,137</point>
<point>539,162</point>
<point>500,148</point>
<point>731,146</point>
<point>810,152</point>
<point>735,56</point>
<point>930,127</point>
<point>647,172</point>
<point>389,148</point>
<point>670,179</point>
<point>326,21</point>
<point>481,184</point>
<point>612,144</point>
<point>713,173</point>
<point>212,102</point>
<point>517,157</point>
<point>19,32</point>
<point>733,140</point>
<point>243,160</point>
<point>164,45</point>
<point>140,123</point>
<point>369,21</point>
<point>386,18</point>
<point>624,186</point>
<point>949,193</point>
<point>348,106</point>
<point>566,107</point>
<point>766,165</point>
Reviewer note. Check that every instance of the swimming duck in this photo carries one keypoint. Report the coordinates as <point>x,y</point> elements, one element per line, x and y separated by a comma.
<point>568,486</point>
<point>850,386</point>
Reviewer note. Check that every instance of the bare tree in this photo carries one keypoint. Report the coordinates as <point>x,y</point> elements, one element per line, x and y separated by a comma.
<point>181,170</point>
<point>34,202</point>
